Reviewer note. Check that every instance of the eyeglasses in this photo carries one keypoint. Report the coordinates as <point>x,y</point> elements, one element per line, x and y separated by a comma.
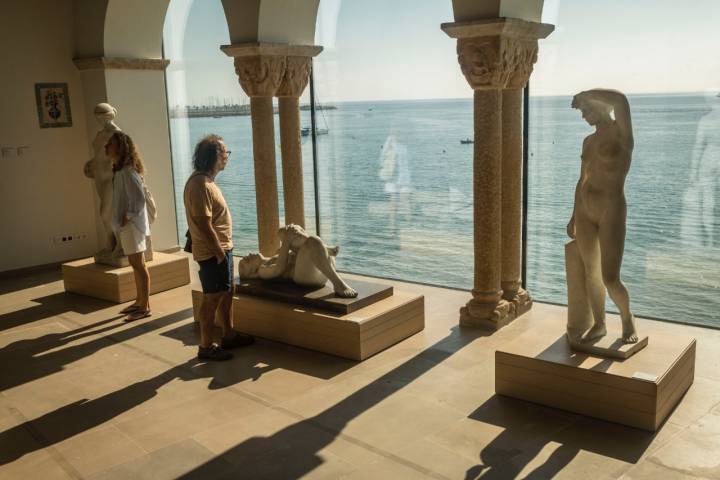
<point>228,152</point>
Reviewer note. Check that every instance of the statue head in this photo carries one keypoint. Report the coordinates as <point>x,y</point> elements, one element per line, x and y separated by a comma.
<point>593,112</point>
<point>249,265</point>
<point>105,113</point>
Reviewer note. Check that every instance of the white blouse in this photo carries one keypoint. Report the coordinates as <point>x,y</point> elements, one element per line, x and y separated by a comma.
<point>129,199</point>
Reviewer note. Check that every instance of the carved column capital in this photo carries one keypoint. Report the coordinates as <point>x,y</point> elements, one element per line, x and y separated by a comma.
<point>497,53</point>
<point>297,74</point>
<point>263,67</point>
<point>260,75</point>
<point>496,62</point>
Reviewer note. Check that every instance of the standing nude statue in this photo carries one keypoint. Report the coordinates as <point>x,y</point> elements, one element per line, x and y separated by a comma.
<point>100,169</point>
<point>302,258</point>
<point>598,219</point>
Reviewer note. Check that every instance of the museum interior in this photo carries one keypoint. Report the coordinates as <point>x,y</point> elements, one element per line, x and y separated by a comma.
<point>470,238</point>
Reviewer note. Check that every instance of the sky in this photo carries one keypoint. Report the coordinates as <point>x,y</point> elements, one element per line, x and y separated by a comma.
<point>394,49</point>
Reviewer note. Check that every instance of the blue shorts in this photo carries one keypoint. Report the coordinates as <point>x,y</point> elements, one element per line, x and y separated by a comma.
<point>217,277</point>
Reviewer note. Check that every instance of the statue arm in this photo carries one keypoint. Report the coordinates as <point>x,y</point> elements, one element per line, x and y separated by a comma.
<point>88,169</point>
<point>277,266</point>
<point>621,108</point>
<point>571,223</point>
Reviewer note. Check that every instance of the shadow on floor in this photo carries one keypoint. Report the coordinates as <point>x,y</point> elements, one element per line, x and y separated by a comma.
<point>50,306</point>
<point>78,417</point>
<point>290,453</point>
<point>557,352</point>
<point>33,363</point>
<point>29,279</point>
<point>263,357</point>
<point>529,428</point>
<point>294,451</point>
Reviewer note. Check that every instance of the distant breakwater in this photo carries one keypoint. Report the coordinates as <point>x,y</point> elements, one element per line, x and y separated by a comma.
<point>227,111</point>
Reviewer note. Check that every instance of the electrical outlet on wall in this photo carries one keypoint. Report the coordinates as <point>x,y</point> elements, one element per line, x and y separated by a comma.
<point>68,238</point>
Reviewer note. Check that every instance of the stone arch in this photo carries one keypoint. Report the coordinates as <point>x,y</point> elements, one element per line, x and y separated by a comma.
<point>271,21</point>
<point>133,28</point>
<point>469,10</point>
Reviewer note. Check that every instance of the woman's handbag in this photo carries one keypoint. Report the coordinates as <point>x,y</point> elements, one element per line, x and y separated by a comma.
<point>150,204</point>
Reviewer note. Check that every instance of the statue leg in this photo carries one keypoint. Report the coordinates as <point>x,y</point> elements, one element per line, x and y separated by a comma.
<point>317,252</point>
<point>112,242</point>
<point>612,245</point>
<point>586,234</point>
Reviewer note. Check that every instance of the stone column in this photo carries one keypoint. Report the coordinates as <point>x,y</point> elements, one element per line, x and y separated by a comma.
<point>260,76</point>
<point>512,201</point>
<point>495,55</point>
<point>487,307</point>
<point>266,70</point>
<point>293,84</point>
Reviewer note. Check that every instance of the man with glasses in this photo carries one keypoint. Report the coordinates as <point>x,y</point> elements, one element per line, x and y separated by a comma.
<point>210,227</point>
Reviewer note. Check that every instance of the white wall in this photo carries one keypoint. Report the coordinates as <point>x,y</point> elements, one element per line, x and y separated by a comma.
<point>43,193</point>
<point>139,96</point>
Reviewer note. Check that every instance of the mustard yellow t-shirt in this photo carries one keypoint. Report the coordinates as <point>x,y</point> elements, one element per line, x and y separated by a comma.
<point>203,198</point>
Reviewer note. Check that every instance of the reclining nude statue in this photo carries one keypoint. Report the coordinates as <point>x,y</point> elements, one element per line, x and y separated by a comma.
<point>303,259</point>
<point>99,168</point>
<point>597,226</point>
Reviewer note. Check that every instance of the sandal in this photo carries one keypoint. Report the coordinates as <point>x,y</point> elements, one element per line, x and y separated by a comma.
<point>137,315</point>
<point>130,308</point>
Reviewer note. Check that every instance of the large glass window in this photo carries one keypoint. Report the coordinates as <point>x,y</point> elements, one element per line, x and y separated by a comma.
<point>204,96</point>
<point>395,179</point>
<point>394,129</point>
<point>665,65</point>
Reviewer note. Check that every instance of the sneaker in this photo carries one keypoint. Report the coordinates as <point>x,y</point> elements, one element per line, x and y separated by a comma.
<point>213,353</point>
<point>239,340</point>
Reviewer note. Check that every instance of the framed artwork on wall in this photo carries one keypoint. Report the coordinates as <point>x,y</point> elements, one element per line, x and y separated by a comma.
<point>53,105</point>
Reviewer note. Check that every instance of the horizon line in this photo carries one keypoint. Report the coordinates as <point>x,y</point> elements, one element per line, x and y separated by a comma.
<point>677,93</point>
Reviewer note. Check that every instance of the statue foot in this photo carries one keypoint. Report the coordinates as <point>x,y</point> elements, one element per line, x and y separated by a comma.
<point>629,333</point>
<point>597,331</point>
<point>345,292</point>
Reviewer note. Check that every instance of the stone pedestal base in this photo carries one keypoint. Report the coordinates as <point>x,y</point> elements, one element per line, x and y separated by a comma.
<point>118,284</point>
<point>490,316</point>
<point>640,391</point>
<point>520,303</point>
<point>107,257</point>
<point>610,346</point>
<point>356,335</point>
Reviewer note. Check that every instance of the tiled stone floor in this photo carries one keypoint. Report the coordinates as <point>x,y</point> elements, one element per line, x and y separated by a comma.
<point>84,395</point>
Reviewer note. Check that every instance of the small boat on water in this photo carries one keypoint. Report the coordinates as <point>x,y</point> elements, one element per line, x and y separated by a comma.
<point>307,131</point>
<point>467,141</point>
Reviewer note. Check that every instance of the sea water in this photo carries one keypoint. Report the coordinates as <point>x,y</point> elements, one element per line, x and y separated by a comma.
<point>395,193</point>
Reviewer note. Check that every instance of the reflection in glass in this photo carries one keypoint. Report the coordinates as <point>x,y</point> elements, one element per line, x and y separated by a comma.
<point>204,96</point>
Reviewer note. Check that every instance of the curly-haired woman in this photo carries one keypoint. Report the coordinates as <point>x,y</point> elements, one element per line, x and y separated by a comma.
<point>130,216</point>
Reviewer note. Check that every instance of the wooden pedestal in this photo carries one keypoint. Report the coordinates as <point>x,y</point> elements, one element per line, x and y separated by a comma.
<point>118,284</point>
<point>356,335</point>
<point>639,391</point>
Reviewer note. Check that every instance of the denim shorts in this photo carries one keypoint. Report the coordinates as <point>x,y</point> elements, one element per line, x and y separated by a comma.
<point>217,277</point>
